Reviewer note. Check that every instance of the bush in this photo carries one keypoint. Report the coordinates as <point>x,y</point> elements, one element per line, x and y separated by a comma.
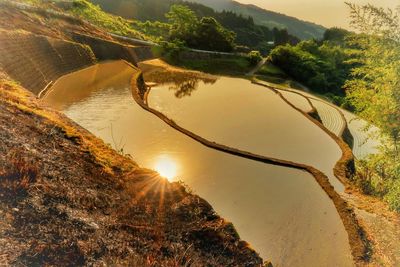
<point>171,50</point>
<point>393,196</point>
<point>271,70</point>
<point>322,67</point>
<point>211,35</point>
<point>378,175</point>
<point>206,33</point>
<point>254,57</point>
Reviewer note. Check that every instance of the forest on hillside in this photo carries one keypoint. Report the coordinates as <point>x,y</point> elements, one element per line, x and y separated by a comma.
<point>248,33</point>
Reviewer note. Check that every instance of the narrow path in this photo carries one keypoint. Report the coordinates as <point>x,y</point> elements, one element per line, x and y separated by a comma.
<point>357,238</point>
<point>258,67</point>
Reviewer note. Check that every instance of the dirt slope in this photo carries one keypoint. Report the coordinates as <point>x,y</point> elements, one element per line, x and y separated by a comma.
<point>67,199</point>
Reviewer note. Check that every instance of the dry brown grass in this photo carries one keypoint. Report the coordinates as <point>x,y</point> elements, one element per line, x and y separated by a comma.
<point>70,200</point>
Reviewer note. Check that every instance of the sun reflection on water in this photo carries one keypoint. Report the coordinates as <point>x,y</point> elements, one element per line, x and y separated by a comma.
<point>166,167</point>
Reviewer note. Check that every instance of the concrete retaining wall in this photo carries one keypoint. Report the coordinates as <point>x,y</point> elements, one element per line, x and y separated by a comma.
<point>35,60</point>
<point>205,55</point>
<point>108,50</point>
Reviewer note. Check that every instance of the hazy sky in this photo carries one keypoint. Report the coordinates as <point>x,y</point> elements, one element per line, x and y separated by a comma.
<point>325,12</point>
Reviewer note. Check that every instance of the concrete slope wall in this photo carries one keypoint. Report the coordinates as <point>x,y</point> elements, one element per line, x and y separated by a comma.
<point>108,50</point>
<point>35,60</point>
<point>143,53</point>
<point>205,55</point>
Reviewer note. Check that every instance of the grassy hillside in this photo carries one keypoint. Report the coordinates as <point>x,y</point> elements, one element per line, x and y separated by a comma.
<point>152,10</point>
<point>97,16</point>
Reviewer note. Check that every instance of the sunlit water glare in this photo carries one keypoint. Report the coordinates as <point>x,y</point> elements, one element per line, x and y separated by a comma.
<point>166,167</point>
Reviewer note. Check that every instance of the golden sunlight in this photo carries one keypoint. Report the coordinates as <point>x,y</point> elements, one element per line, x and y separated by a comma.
<point>166,167</point>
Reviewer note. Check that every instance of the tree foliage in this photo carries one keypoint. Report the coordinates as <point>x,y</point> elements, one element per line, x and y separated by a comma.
<point>254,57</point>
<point>97,16</point>
<point>211,35</point>
<point>249,34</point>
<point>336,35</point>
<point>375,93</point>
<point>319,65</point>
<point>206,33</point>
<point>183,22</point>
<point>375,89</point>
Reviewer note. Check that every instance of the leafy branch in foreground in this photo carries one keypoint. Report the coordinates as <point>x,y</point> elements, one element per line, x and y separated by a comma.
<point>374,91</point>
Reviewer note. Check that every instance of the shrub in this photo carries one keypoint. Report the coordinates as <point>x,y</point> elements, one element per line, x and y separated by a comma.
<point>378,175</point>
<point>254,57</point>
<point>171,50</point>
<point>206,33</point>
<point>322,67</point>
<point>393,196</point>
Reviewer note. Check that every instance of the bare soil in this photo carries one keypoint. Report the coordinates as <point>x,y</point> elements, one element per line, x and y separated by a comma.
<point>67,199</point>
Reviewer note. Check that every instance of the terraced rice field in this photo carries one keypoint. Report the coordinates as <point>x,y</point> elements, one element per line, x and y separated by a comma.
<point>330,116</point>
<point>297,100</point>
<point>364,142</point>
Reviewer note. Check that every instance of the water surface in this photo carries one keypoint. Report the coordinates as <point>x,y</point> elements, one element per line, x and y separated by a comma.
<point>366,139</point>
<point>237,113</point>
<point>283,213</point>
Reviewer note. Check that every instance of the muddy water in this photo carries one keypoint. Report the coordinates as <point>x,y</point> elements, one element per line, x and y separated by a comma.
<point>283,213</point>
<point>249,117</point>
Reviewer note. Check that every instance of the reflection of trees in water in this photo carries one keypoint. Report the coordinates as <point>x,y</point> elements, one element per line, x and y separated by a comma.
<point>185,88</point>
<point>183,83</point>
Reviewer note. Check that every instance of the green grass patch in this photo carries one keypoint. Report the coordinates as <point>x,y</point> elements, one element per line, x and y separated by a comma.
<point>271,70</point>
<point>228,66</point>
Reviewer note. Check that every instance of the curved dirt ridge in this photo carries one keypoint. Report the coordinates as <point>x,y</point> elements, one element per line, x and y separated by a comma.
<point>345,166</point>
<point>295,98</point>
<point>313,112</point>
<point>359,244</point>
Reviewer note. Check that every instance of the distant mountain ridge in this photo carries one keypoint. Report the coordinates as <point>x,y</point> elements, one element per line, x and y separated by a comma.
<point>301,29</point>
<point>155,9</point>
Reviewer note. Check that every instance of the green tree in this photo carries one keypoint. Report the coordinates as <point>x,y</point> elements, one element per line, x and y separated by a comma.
<point>206,34</point>
<point>336,35</point>
<point>210,35</point>
<point>321,65</point>
<point>183,22</point>
<point>375,93</point>
<point>375,89</point>
<point>254,57</point>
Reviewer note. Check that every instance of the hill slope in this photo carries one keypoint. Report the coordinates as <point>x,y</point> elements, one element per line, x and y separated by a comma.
<point>67,198</point>
<point>155,9</point>
<point>297,27</point>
